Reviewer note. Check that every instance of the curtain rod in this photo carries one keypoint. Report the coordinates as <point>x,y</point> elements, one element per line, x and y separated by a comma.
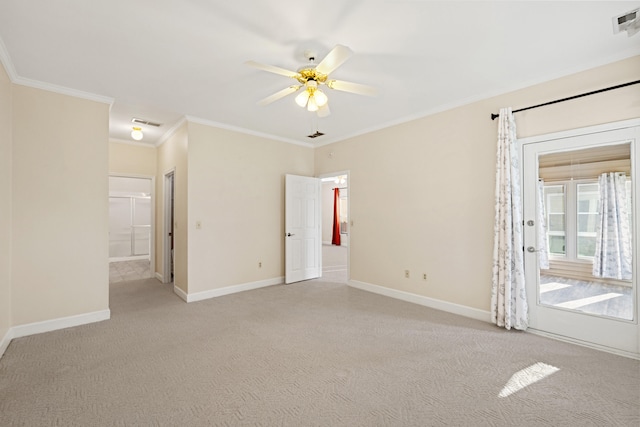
<point>495,116</point>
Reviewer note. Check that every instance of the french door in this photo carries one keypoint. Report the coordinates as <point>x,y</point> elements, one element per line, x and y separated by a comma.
<point>561,183</point>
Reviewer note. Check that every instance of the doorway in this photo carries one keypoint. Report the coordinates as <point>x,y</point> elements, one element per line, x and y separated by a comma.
<point>580,210</point>
<point>168,227</point>
<point>130,228</point>
<point>335,227</point>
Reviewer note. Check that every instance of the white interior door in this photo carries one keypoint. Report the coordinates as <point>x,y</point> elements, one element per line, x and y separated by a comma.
<point>303,231</point>
<point>584,309</point>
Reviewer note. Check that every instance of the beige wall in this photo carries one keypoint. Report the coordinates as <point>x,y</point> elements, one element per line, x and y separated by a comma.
<point>421,193</point>
<point>60,213</point>
<point>5,202</point>
<point>172,155</point>
<point>236,191</point>
<point>130,159</point>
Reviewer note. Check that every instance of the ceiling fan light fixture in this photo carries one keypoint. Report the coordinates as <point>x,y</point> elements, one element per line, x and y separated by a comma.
<point>312,105</point>
<point>321,98</point>
<point>302,98</point>
<point>137,134</point>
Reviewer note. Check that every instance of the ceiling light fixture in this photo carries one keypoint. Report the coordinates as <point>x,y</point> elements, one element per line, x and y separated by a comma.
<point>312,97</point>
<point>136,133</point>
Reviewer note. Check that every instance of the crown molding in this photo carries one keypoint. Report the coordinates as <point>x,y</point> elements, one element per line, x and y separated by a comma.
<point>488,95</point>
<point>62,90</point>
<point>246,131</point>
<point>136,143</point>
<point>5,58</point>
<point>168,134</point>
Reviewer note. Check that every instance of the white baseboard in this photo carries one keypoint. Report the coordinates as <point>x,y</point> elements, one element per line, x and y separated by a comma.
<point>182,294</point>
<point>213,293</point>
<point>60,323</point>
<point>581,343</point>
<point>160,277</point>
<point>6,341</point>
<point>130,258</point>
<point>449,307</point>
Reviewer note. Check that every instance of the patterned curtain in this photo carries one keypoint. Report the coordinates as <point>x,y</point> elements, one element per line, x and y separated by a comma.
<point>543,246</point>
<point>508,296</point>
<point>612,258</point>
<point>335,240</point>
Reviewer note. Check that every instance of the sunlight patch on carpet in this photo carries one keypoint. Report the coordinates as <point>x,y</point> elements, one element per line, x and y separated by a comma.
<point>526,377</point>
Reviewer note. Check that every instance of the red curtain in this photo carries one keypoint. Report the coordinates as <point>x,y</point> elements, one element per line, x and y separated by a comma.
<point>335,240</point>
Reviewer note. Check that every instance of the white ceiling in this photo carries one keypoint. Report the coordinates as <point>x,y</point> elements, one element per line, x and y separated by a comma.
<point>164,60</point>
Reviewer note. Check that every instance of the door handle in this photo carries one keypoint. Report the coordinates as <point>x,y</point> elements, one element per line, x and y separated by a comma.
<point>531,249</point>
<point>290,234</point>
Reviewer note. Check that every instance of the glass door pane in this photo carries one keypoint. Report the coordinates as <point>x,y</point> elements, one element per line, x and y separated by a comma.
<point>589,292</point>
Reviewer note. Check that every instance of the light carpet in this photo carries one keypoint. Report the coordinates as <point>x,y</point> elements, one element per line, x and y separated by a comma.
<point>308,354</point>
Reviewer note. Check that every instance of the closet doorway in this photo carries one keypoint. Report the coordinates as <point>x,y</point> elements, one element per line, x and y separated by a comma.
<point>336,234</point>
<point>130,228</point>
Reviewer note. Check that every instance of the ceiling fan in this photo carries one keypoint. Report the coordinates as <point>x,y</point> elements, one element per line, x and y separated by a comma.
<point>312,77</point>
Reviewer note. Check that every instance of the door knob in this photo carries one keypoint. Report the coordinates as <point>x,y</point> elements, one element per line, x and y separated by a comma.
<point>531,249</point>
<point>290,234</point>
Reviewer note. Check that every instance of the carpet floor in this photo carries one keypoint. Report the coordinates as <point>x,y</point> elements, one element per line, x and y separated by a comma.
<point>309,354</point>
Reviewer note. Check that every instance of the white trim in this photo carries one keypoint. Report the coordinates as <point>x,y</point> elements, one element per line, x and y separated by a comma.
<point>213,293</point>
<point>167,222</point>
<point>135,143</point>
<point>168,134</point>
<point>606,127</point>
<point>483,96</point>
<point>584,343</point>
<point>5,59</point>
<point>4,344</point>
<point>129,258</point>
<point>60,323</point>
<point>211,123</point>
<point>63,90</point>
<point>182,294</point>
<point>437,304</point>
<point>159,277</point>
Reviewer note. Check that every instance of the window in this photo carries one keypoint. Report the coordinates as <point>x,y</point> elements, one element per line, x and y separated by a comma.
<point>554,199</point>
<point>587,220</point>
<point>572,218</point>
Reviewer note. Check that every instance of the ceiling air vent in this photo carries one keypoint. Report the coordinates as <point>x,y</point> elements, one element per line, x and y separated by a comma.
<point>315,135</point>
<point>628,22</point>
<point>145,122</point>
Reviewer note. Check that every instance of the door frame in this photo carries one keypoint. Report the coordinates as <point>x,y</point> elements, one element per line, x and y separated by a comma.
<point>531,235</point>
<point>348,174</point>
<point>168,194</point>
<point>152,232</point>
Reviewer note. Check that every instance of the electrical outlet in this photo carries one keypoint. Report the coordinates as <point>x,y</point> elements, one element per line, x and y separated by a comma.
<point>259,264</point>
<point>406,274</point>
<point>424,276</point>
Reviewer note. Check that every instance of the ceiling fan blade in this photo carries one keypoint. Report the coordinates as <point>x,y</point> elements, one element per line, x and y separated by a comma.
<point>324,111</point>
<point>334,59</point>
<point>280,94</point>
<point>272,69</point>
<point>352,87</point>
